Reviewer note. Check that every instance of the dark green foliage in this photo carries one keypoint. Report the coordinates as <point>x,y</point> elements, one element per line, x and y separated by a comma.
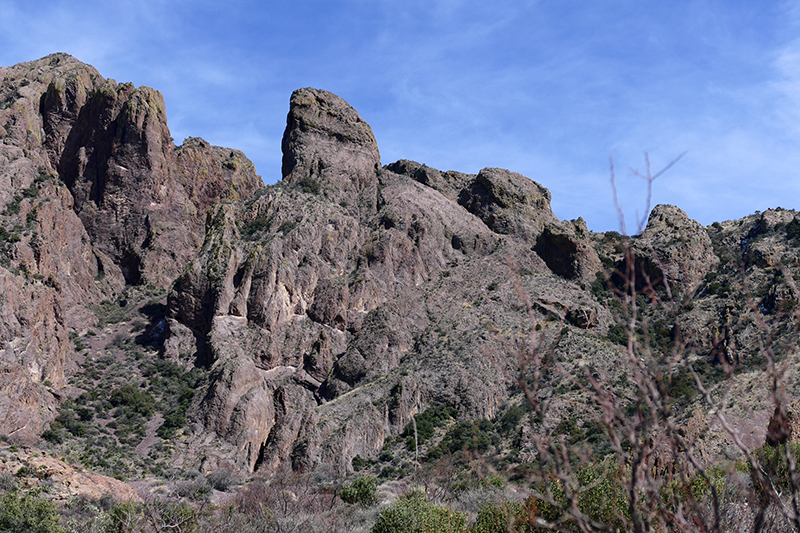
<point>171,381</point>
<point>359,463</point>
<point>66,420</point>
<point>618,334</point>
<point>435,416</point>
<point>660,335</point>
<point>12,207</point>
<point>133,399</point>
<point>108,312</point>
<point>286,227</point>
<point>602,496</point>
<point>30,192</point>
<point>714,286</point>
<point>599,287</point>
<point>308,185</point>
<point>53,436</point>
<point>499,518</point>
<point>682,386</point>
<point>600,493</point>
<point>362,491</point>
<point>775,464</point>
<point>414,514</point>
<point>466,435</point>
<point>251,229</point>
<point>28,513</point>
<point>509,419</point>
<point>793,229</point>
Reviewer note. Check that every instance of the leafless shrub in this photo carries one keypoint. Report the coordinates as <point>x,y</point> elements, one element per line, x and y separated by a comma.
<point>223,480</point>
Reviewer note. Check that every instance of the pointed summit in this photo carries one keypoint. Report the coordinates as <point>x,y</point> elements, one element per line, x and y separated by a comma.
<point>328,145</point>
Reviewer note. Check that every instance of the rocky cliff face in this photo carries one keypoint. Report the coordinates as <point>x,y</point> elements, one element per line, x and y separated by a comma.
<point>325,311</point>
<point>97,198</point>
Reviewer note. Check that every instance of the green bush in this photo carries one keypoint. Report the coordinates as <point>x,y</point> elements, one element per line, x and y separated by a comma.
<point>28,513</point>
<point>131,397</point>
<point>774,463</point>
<point>603,497</point>
<point>793,229</point>
<point>362,491</point>
<point>435,416</point>
<point>499,518</point>
<point>12,207</point>
<point>618,334</point>
<point>472,436</point>
<point>251,229</point>
<point>414,514</point>
<point>308,185</point>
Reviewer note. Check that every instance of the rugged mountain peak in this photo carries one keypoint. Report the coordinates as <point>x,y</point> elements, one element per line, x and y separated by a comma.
<point>674,248</point>
<point>328,146</point>
<point>508,202</point>
<point>94,196</point>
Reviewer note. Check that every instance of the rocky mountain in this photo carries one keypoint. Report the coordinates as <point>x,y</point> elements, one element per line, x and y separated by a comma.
<point>321,314</point>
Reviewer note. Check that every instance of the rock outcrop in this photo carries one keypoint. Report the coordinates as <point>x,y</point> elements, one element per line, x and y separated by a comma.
<point>674,250</point>
<point>334,289</point>
<point>64,482</point>
<point>96,197</point>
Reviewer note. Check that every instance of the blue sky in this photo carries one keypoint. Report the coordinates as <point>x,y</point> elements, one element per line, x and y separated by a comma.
<point>546,88</point>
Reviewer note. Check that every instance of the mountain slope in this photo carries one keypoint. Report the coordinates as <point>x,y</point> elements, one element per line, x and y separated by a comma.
<point>317,317</point>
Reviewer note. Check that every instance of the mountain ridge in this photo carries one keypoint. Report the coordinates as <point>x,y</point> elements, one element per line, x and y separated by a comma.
<point>326,311</point>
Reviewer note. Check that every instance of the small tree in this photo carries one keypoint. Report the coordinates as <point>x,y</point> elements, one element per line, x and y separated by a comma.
<point>414,514</point>
<point>362,491</point>
<point>28,513</point>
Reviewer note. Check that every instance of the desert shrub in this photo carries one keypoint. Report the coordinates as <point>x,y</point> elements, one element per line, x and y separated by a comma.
<point>618,334</point>
<point>435,416</point>
<point>108,312</point>
<point>252,228</point>
<point>53,436</point>
<point>774,460</point>
<point>360,463</point>
<point>134,399</point>
<point>602,495</point>
<point>414,514</point>
<point>508,420</point>
<point>222,480</point>
<point>28,513</point>
<point>308,185</point>
<point>197,489</point>
<point>499,518</point>
<point>176,387</point>
<point>30,192</point>
<point>287,227</point>
<point>125,517</point>
<point>7,482</point>
<point>469,435</point>
<point>793,229</point>
<point>362,491</point>
<point>12,207</point>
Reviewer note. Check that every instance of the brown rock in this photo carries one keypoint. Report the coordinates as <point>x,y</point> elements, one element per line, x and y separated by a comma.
<point>65,481</point>
<point>674,249</point>
<point>328,146</point>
